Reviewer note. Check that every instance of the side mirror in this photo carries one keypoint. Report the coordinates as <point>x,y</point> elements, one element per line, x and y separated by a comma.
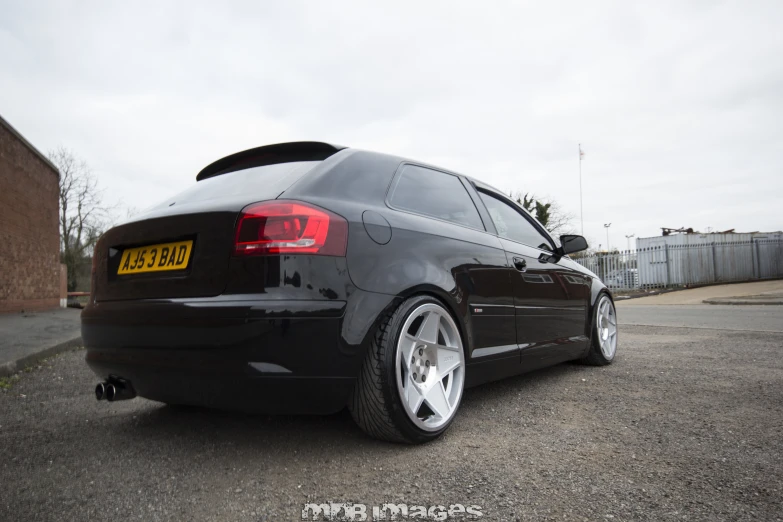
<point>570,244</point>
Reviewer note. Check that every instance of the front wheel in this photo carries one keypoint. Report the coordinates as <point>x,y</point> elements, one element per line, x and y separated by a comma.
<point>603,345</point>
<point>412,379</point>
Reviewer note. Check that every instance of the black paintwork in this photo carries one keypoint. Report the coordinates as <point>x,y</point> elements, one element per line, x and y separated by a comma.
<point>289,333</point>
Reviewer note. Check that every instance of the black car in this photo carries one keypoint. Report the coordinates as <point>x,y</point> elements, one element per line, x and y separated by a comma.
<point>306,277</point>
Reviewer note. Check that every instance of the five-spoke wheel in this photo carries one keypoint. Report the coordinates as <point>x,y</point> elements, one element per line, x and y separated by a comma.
<point>606,322</point>
<point>430,366</point>
<point>604,340</point>
<point>411,382</point>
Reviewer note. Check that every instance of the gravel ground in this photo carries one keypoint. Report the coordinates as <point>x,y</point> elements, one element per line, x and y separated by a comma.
<point>686,425</point>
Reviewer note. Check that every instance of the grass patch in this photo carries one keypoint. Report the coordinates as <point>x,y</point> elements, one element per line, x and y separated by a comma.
<point>6,383</point>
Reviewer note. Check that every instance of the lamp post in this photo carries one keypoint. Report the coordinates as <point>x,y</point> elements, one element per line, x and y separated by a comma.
<point>606,226</point>
<point>628,241</point>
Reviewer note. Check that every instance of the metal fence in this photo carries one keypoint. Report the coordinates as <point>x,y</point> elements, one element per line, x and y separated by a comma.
<point>680,265</point>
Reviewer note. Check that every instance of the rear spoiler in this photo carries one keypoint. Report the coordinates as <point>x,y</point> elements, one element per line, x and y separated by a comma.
<point>270,155</point>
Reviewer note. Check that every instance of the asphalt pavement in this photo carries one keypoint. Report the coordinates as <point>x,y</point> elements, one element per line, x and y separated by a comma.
<point>757,318</point>
<point>29,337</point>
<point>685,425</point>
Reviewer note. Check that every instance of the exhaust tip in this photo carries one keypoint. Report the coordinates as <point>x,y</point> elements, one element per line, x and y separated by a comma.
<point>114,389</point>
<point>111,392</point>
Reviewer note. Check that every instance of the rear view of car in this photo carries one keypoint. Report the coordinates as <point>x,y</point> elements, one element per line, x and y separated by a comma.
<point>305,277</point>
<point>217,295</point>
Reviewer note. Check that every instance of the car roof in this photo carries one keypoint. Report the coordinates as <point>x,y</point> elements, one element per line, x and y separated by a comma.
<point>319,151</point>
<point>302,151</point>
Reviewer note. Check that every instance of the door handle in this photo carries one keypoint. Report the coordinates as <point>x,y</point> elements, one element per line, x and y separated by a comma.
<point>520,264</point>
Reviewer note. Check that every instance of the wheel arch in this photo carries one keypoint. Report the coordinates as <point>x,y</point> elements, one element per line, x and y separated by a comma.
<point>598,289</point>
<point>372,308</point>
<point>461,317</point>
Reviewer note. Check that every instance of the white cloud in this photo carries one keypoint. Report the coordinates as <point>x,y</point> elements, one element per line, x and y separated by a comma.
<point>677,105</point>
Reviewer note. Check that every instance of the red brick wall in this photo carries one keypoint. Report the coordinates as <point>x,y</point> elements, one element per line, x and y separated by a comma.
<point>29,234</point>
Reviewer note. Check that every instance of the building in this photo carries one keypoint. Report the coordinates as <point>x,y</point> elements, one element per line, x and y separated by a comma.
<point>698,238</point>
<point>30,270</point>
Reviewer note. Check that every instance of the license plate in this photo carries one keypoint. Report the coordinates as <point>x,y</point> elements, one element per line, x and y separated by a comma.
<point>156,258</point>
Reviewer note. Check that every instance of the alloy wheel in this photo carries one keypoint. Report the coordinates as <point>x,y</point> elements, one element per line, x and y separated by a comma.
<point>430,367</point>
<point>606,324</point>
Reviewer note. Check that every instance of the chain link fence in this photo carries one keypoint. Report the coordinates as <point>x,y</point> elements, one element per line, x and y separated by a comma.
<point>680,265</point>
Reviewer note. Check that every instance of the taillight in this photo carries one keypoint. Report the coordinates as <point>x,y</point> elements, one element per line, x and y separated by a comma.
<point>289,227</point>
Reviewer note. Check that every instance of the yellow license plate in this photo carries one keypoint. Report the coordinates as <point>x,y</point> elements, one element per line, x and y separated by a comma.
<point>156,258</point>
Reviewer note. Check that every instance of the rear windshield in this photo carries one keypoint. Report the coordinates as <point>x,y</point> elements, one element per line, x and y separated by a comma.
<point>265,182</point>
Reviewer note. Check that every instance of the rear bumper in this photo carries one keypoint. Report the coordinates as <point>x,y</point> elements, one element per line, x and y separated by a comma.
<point>229,352</point>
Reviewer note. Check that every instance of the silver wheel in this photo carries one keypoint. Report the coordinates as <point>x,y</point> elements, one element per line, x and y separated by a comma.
<point>430,367</point>
<point>606,326</point>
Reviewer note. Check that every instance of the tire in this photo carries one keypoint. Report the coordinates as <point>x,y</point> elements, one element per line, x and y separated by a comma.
<point>392,400</point>
<point>603,341</point>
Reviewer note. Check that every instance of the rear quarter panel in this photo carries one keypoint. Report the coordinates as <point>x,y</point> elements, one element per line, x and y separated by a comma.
<point>458,264</point>
<point>462,266</point>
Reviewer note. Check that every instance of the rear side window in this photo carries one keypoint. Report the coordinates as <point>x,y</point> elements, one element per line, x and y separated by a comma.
<point>433,193</point>
<point>511,224</point>
<point>257,183</point>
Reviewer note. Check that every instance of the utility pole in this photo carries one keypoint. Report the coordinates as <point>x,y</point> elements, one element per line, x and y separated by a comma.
<point>628,241</point>
<point>581,211</point>
<point>606,226</point>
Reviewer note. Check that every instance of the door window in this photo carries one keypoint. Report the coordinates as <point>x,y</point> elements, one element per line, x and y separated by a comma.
<point>434,193</point>
<point>511,224</point>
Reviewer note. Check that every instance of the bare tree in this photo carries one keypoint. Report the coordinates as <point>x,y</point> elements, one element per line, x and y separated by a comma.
<point>560,222</point>
<point>81,215</point>
<point>547,211</point>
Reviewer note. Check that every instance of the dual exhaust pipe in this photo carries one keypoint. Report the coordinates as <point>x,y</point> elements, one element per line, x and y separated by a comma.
<point>114,390</point>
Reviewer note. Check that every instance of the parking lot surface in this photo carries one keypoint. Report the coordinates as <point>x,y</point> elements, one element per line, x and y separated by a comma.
<point>751,318</point>
<point>686,425</point>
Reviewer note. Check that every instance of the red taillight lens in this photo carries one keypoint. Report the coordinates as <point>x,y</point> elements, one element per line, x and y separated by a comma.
<point>290,227</point>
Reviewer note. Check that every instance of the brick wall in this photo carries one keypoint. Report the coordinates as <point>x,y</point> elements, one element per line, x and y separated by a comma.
<point>29,236</point>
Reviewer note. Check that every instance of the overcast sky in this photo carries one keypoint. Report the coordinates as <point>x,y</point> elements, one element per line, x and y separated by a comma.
<point>678,105</point>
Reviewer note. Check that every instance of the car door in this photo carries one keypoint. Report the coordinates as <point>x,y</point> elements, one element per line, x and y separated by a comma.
<point>550,298</point>
<point>439,222</point>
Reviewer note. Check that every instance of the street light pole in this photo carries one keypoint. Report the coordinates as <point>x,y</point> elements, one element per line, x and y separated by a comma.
<point>606,226</point>
<point>628,240</point>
